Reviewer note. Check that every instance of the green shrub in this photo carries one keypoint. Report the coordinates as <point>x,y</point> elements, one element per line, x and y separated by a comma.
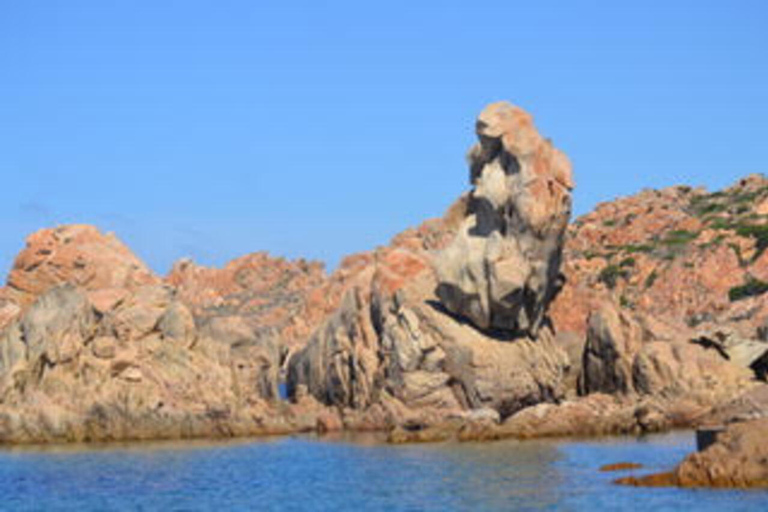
<point>711,208</point>
<point>632,249</point>
<point>627,262</point>
<point>721,223</point>
<point>651,279</point>
<point>751,288</point>
<point>759,233</point>
<point>737,251</point>
<point>745,198</point>
<point>742,208</point>
<point>707,204</point>
<point>679,237</point>
<point>611,274</point>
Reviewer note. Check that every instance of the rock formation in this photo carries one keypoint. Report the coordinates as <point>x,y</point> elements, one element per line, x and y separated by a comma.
<point>96,347</point>
<point>455,329</point>
<point>503,268</point>
<point>392,349</point>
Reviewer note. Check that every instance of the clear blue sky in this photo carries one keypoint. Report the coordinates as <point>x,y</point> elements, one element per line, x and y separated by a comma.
<point>317,129</point>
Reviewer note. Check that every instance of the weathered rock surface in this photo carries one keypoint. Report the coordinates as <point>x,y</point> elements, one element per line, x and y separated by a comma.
<point>75,254</point>
<point>503,267</point>
<point>142,370</point>
<point>739,458</point>
<point>627,355</point>
<point>394,344</point>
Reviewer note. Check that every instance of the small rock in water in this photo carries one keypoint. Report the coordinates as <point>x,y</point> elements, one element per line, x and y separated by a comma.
<point>621,466</point>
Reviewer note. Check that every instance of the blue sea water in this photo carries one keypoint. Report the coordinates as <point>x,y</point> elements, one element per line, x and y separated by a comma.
<point>302,473</point>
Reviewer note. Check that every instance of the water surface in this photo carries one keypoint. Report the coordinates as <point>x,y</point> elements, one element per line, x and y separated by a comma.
<point>353,474</point>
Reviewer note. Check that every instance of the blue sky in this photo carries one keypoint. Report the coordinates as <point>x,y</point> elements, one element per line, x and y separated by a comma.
<point>317,129</point>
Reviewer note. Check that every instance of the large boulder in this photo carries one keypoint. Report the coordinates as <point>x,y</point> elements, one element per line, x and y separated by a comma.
<point>632,354</point>
<point>503,268</point>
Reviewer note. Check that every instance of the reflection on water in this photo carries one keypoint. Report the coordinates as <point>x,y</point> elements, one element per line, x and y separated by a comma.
<point>350,473</point>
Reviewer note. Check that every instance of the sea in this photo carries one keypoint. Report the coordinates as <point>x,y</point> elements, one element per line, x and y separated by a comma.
<point>353,473</point>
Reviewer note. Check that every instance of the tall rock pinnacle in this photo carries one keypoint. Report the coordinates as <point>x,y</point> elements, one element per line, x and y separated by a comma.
<point>503,268</point>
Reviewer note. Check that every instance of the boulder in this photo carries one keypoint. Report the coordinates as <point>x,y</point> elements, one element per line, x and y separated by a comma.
<point>630,354</point>
<point>177,324</point>
<point>612,342</point>
<point>503,268</point>
<point>746,352</point>
<point>57,326</point>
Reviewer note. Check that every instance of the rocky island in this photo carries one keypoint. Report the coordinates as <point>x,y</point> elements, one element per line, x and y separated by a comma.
<point>503,318</point>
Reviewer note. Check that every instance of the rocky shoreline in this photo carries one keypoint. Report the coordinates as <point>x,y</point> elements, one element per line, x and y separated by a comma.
<point>499,320</point>
<point>738,459</point>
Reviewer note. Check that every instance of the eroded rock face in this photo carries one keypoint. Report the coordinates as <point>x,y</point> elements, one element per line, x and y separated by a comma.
<point>503,268</point>
<point>93,346</point>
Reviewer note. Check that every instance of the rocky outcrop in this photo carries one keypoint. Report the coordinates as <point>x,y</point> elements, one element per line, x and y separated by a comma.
<point>746,352</point>
<point>684,256</point>
<point>503,267</point>
<point>395,344</point>
<point>747,406</point>
<point>140,370</point>
<point>612,342</point>
<point>75,254</point>
<point>95,347</point>
<point>739,458</point>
